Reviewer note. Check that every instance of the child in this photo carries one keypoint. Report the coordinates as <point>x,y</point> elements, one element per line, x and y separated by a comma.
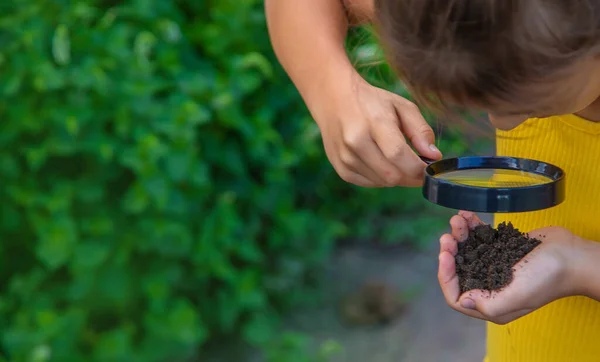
<point>534,66</point>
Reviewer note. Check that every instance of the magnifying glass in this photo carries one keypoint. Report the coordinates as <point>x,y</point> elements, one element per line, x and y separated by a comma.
<point>493,184</point>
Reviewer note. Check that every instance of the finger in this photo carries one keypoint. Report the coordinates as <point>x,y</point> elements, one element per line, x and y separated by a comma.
<point>373,157</point>
<point>447,277</point>
<point>448,280</point>
<point>353,177</point>
<point>468,306</point>
<point>352,166</point>
<point>361,168</point>
<point>460,228</point>
<point>393,146</point>
<point>418,131</point>
<point>360,154</point>
<point>334,153</point>
<point>359,180</point>
<point>448,244</point>
<point>472,220</point>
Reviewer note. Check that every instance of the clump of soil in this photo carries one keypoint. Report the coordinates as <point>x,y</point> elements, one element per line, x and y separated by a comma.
<point>375,303</point>
<point>486,259</point>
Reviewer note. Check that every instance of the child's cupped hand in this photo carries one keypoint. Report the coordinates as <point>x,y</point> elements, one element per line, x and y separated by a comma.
<point>366,132</point>
<point>545,276</point>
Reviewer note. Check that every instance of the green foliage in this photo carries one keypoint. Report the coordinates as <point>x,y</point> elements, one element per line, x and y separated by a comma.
<point>293,347</point>
<point>162,182</point>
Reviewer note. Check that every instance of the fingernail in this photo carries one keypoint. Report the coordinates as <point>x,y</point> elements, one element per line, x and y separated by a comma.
<point>433,148</point>
<point>468,303</point>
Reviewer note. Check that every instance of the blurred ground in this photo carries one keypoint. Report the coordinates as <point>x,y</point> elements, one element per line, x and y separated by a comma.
<point>428,331</point>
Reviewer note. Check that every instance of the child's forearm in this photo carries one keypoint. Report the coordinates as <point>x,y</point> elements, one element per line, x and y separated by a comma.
<point>586,269</point>
<point>308,38</point>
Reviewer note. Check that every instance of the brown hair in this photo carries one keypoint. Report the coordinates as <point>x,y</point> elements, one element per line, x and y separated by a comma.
<point>457,53</point>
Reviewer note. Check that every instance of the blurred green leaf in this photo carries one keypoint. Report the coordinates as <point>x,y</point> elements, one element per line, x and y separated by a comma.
<point>259,329</point>
<point>185,324</point>
<point>114,345</point>
<point>61,45</point>
<point>89,255</point>
<point>57,239</point>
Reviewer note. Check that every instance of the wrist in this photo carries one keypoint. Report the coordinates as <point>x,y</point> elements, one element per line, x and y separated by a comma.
<point>583,268</point>
<point>330,85</point>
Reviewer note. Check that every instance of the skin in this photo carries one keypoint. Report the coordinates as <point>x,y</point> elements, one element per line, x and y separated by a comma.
<point>563,265</point>
<point>576,93</point>
<point>366,131</point>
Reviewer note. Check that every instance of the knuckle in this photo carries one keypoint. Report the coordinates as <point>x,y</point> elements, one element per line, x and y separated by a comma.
<point>424,129</point>
<point>346,176</point>
<point>396,153</point>
<point>354,140</point>
<point>347,158</point>
<point>351,177</point>
<point>451,305</point>
<point>411,106</point>
<point>381,118</point>
<point>342,170</point>
<point>394,179</point>
<point>406,105</point>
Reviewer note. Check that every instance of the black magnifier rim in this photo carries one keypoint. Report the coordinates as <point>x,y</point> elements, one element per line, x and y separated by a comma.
<point>494,200</point>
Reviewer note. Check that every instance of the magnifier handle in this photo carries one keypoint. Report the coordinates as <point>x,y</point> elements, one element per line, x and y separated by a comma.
<point>428,161</point>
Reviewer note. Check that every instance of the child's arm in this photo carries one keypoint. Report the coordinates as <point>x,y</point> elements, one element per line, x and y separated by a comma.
<point>586,274</point>
<point>360,124</point>
<point>308,39</point>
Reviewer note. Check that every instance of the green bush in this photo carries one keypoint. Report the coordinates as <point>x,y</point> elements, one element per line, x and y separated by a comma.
<point>162,182</point>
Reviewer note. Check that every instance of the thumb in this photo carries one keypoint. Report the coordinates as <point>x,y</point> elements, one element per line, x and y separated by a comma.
<point>418,131</point>
<point>476,302</point>
<point>478,297</point>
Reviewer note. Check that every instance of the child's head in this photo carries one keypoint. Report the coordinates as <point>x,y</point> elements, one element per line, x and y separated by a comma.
<point>513,58</point>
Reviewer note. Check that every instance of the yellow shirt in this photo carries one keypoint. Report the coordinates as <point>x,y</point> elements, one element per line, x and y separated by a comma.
<point>568,329</point>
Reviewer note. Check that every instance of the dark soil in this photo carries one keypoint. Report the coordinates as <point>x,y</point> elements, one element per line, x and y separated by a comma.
<point>486,259</point>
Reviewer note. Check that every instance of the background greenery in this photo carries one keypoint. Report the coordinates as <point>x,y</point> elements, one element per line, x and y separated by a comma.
<point>163,185</point>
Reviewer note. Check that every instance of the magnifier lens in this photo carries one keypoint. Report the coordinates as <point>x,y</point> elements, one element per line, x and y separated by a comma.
<point>494,178</point>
